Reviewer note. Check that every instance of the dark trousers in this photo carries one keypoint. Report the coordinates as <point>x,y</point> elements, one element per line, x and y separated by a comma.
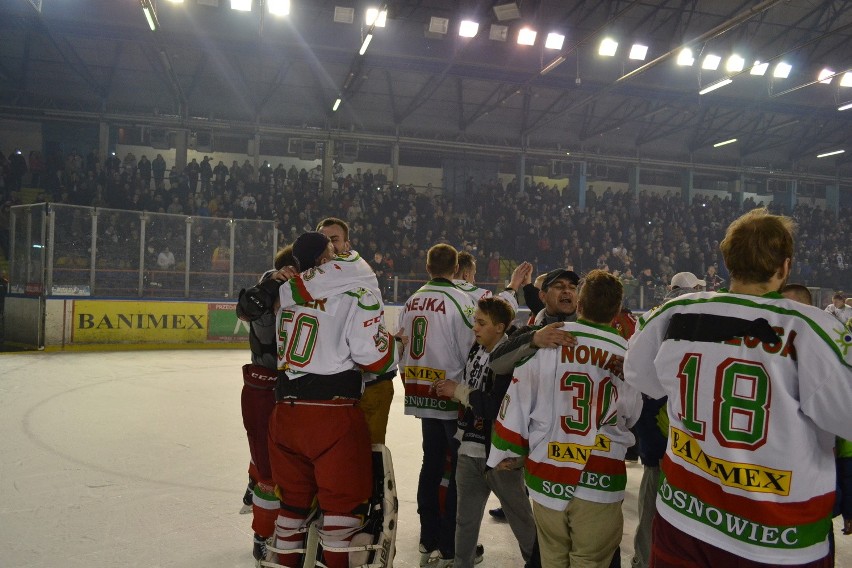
<point>437,515</point>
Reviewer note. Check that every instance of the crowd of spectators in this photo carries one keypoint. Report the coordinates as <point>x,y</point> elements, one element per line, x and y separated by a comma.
<point>644,238</point>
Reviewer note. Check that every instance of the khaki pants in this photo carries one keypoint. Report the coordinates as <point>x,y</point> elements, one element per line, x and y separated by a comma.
<point>376,403</point>
<point>585,535</point>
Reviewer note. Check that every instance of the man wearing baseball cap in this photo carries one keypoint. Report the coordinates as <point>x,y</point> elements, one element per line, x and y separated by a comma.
<point>684,283</point>
<point>559,295</point>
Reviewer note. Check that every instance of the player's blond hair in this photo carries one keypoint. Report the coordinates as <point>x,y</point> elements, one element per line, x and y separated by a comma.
<point>441,260</point>
<point>757,244</point>
<point>600,297</point>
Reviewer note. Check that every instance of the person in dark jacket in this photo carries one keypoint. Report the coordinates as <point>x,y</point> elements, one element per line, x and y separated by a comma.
<point>481,393</point>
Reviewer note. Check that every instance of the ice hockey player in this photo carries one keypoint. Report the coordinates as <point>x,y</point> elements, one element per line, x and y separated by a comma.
<point>565,418</point>
<point>378,389</point>
<point>257,400</point>
<point>465,278</point>
<point>317,428</point>
<point>438,321</point>
<point>758,387</point>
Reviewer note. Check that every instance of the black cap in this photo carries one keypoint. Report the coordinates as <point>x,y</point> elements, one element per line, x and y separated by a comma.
<point>308,247</point>
<point>558,273</point>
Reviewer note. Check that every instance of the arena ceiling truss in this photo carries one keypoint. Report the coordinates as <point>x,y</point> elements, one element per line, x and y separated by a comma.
<point>250,71</point>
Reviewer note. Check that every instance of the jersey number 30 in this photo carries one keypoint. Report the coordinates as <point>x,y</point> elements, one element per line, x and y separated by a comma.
<point>741,398</point>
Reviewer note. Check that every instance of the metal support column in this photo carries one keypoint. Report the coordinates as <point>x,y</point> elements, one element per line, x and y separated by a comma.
<point>143,218</point>
<point>51,239</point>
<point>395,164</point>
<point>180,149</point>
<point>93,255</point>
<point>187,257</point>
<point>103,140</point>
<point>687,188</point>
<point>832,199</point>
<point>578,182</point>
<point>232,225</point>
<point>633,180</point>
<point>327,167</point>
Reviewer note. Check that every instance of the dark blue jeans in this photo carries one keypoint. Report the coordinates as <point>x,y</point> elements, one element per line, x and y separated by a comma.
<point>437,526</point>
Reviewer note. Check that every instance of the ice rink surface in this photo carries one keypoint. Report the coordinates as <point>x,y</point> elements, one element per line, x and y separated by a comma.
<point>138,459</point>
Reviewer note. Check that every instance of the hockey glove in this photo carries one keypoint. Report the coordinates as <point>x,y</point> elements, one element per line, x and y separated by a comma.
<point>258,300</point>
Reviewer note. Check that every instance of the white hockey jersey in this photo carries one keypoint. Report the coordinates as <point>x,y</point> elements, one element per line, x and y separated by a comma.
<point>604,478</point>
<point>555,410</point>
<point>335,334</point>
<point>478,293</point>
<point>749,465</point>
<point>345,272</point>
<point>438,320</point>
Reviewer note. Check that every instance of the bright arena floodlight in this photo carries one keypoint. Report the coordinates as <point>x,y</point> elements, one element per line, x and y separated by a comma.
<point>336,105</point>
<point>759,68</point>
<point>278,7</point>
<point>554,41</point>
<point>241,5</point>
<point>366,44</point>
<point>608,47</point>
<point>825,76</point>
<point>711,62</point>
<point>714,86</point>
<point>639,52</point>
<point>150,14</point>
<point>685,58</point>
<point>846,106</point>
<point>374,16</point>
<point>735,64</point>
<point>468,28</point>
<point>832,153</point>
<point>846,81</point>
<point>526,36</point>
<point>724,143</point>
<point>176,1</point>
<point>782,70</point>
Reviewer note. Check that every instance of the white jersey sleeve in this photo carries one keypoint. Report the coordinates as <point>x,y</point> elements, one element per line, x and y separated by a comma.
<point>346,271</point>
<point>511,436</point>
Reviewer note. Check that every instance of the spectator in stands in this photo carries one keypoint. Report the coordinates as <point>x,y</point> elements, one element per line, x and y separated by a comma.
<point>192,171</point>
<point>247,171</point>
<point>36,166</point>
<point>158,168</point>
<point>145,168</point>
<point>713,280</point>
<point>112,164</point>
<point>17,169</point>
<point>166,259</point>
<point>206,173</point>
<point>220,173</point>
<point>222,256</point>
<point>839,309</point>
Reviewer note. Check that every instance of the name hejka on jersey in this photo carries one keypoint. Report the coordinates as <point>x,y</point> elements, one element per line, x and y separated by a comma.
<point>426,305</point>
